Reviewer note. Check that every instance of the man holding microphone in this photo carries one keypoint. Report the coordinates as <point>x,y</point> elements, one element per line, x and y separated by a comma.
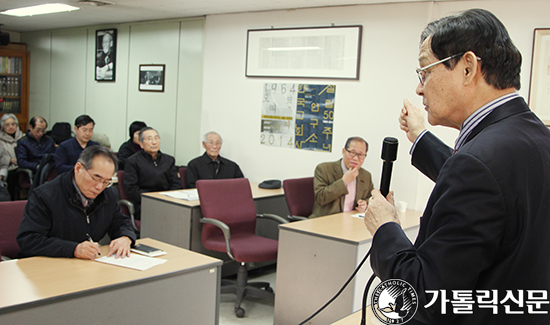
<point>484,232</point>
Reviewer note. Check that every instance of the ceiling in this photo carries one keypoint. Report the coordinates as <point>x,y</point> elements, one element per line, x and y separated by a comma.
<point>124,11</point>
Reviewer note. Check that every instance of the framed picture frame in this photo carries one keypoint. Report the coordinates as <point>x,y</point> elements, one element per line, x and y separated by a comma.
<point>105,49</point>
<point>151,77</point>
<point>309,52</point>
<point>539,87</point>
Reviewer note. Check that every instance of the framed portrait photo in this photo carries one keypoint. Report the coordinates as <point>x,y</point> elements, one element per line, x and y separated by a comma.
<point>151,77</point>
<point>105,49</point>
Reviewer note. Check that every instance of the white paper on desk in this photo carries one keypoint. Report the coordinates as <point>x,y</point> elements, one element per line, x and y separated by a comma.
<point>135,261</point>
<point>189,195</point>
<point>359,215</point>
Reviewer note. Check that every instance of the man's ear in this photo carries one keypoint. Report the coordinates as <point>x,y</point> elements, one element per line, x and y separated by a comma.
<point>471,66</point>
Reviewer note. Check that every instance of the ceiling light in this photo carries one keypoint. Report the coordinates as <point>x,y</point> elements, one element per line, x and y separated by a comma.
<point>48,8</point>
<point>294,48</point>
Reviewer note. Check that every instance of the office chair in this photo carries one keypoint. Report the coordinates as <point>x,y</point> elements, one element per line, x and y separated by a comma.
<point>229,225</point>
<point>126,205</point>
<point>11,213</point>
<point>300,197</point>
<point>24,182</point>
<point>182,171</point>
<point>45,171</point>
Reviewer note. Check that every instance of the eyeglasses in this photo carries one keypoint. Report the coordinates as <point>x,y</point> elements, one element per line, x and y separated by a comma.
<point>106,183</point>
<point>151,138</point>
<point>353,154</point>
<point>421,72</point>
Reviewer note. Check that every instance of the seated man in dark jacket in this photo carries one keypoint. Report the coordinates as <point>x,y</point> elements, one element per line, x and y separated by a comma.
<point>68,151</point>
<point>67,216</point>
<point>149,170</point>
<point>130,147</point>
<point>211,165</point>
<point>35,145</point>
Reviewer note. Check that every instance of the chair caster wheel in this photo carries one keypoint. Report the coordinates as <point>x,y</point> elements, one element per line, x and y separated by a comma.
<point>269,289</point>
<point>239,312</point>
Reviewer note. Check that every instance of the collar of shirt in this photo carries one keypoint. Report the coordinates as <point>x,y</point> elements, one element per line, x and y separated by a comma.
<point>473,120</point>
<point>83,199</point>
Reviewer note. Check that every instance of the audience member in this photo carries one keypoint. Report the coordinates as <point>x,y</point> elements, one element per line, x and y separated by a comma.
<point>9,134</point>
<point>67,216</point>
<point>149,170</point>
<point>211,165</point>
<point>343,185</point>
<point>4,163</point>
<point>68,151</point>
<point>131,146</point>
<point>34,145</point>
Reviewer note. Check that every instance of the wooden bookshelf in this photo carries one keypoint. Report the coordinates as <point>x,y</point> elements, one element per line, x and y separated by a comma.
<point>14,82</point>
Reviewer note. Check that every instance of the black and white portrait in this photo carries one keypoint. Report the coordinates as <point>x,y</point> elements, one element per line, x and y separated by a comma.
<point>105,65</point>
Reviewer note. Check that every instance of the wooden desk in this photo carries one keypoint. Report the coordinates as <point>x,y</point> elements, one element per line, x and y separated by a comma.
<point>355,319</point>
<point>316,257</point>
<point>42,290</point>
<point>176,221</point>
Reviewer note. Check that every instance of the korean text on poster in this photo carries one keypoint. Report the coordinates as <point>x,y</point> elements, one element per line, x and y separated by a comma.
<point>278,110</point>
<point>315,117</point>
<point>297,115</point>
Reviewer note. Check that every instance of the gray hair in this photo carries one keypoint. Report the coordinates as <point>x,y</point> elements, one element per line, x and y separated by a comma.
<point>87,156</point>
<point>147,128</point>
<point>5,117</point>
<point>209,133</point>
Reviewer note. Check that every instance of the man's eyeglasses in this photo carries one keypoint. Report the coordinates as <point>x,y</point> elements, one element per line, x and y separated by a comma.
<point>106,183</point>
<point>421,72</point>
<point>353,154</point>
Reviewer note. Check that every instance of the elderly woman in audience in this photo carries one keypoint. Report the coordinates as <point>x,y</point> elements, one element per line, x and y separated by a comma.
<point>9,134</point>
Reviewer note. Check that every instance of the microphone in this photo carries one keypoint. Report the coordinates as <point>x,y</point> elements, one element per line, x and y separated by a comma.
<point>389,155</point>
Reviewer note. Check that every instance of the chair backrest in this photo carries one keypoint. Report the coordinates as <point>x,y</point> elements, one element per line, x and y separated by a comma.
<point>230,201</point>
<point>11,213</point>
<point>122,192</point>
<point>182,171</point>
<point>300,196</point>
<point>60,132</point>
<point>44,172</point>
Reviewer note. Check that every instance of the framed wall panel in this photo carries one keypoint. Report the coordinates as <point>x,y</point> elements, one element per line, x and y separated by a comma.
<point>312,52</point>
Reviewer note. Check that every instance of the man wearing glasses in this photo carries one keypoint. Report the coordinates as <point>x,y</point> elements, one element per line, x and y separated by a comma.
<point>149,170</point>
<point>34,145</point>
<point>67,216</point>
<point>486,224</point>
<point>342,185</point>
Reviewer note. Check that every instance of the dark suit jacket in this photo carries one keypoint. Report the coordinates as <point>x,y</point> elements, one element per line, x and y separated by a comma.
<point>330,190</point>
<point>486,223</point>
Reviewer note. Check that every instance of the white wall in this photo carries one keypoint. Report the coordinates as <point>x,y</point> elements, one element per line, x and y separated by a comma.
<point>368,107</point>
<point>221,98</point>
<point>62,84</point>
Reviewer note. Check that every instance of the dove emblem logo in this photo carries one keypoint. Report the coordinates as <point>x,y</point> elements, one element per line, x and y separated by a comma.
<point>394,301</point>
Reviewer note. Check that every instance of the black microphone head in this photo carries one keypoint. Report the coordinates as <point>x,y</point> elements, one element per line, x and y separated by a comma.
<point>389,149</point>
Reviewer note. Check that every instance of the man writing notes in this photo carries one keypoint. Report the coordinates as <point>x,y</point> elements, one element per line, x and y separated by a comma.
<point>65,217</point>
<point>343,185</point>
<point>211,165</point>
<point>484,232</point>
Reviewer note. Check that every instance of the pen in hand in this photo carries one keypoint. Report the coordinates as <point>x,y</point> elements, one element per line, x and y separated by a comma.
<point>91,241</point>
